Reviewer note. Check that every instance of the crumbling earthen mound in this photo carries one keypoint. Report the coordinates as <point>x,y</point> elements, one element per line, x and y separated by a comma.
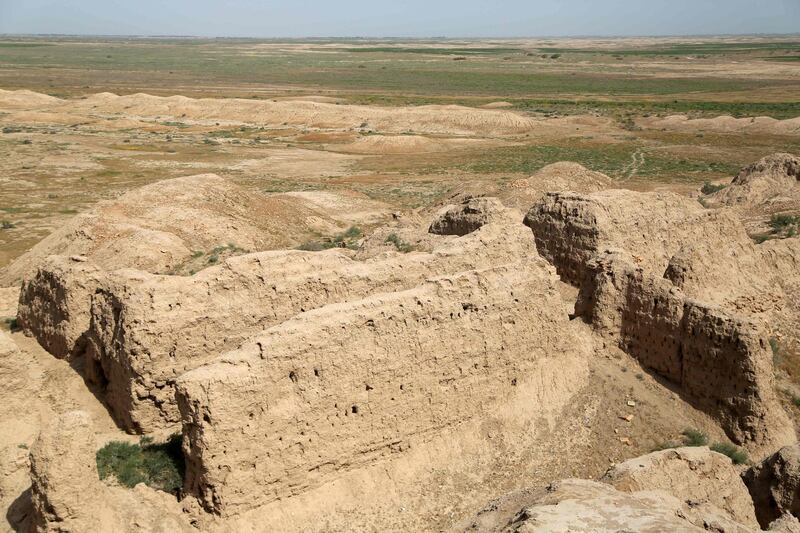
<point>562,176</point>
<point>471,215</point>
<point>157,227</point>
<point>774,176</point>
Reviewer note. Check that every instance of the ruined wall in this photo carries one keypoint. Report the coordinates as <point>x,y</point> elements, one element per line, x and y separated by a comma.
<point>570,228</point>
<point>352,383</point>
<point>54,303</point>
<point>720,361</point>
<point>147,330</point>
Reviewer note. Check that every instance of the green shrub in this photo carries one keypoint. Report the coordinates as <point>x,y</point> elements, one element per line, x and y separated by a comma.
<point>7,224</point>
<point>779,222</point>
<point>160,466</point>
<point>12,323</point>
<point>399,243</point>
<point>710,188</point>
<point>693,437</point>
<point>737,455</point>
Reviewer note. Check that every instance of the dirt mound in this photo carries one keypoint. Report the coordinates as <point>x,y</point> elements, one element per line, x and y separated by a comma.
<point>156,227</point>
<point>696,475</point>
<point>497,105</point>
<point>24,99</point>
<point>774,176</point>
<point>557,177</point>
<point>396,144</point>
<point>431,119</point>
<point>725,124</point>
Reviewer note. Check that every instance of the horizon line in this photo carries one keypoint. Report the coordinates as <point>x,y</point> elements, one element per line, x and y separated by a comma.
<point>395,37</point>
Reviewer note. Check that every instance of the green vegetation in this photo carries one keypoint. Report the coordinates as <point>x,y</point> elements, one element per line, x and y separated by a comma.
<point>710,188</point>
<point>12,323</point>
<point>399,243</point>
<point>785,225</point>
<point>6,224</point>
<point>160,466</point>
<point>694,437</point>
<point>737,455</point>
<point>615,160</point>
<point>346,239</point>
<point>432,51</point>
<point>686,49</point>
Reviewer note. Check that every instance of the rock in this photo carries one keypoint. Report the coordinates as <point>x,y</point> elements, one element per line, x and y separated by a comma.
<point>54,304</point>
<point>689,474</point>
<point>146,330</point>
<point>582,505</point>
<point>785,524</point>
<point>772,176</point>
<point>349,384</point>
<point>472,214</point>
<point>720,361</point>
<point>775,485</point>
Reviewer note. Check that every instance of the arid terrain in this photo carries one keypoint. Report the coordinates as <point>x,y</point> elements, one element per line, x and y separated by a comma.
<point>506,285</point>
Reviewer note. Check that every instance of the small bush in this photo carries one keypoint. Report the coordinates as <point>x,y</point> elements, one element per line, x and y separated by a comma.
<point>160,466</point>
<point>399,243</point>
<point>12,324</point>
<point>7,224</point>
<point>737,455</point>
<point>710,188</point>
<point>693,437</point>
<point>796,401</point>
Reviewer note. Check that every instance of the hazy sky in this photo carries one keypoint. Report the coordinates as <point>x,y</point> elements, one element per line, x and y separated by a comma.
<point>410,18</point>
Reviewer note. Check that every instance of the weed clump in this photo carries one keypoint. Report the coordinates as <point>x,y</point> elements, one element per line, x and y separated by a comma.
<point>694,437</point>
<point>710,188</point>
<point>160,466</point>
<point>401,245</point>
<point>736,454</point>
<point>346,239</point>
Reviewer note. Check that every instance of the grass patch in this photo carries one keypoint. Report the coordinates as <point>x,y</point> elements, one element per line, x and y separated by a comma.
<point>346,239</point>
<point>784,225</point>
<point>160,466</point>
<point>710,188</point>
<point>401,245</point>
<point>694,437</point>
<point>736,454</point>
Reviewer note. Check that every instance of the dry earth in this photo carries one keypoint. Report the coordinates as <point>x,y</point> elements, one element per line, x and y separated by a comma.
<point>405,318</point>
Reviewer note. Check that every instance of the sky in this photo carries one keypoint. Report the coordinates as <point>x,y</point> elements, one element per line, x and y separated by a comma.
<point>399,18</point>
